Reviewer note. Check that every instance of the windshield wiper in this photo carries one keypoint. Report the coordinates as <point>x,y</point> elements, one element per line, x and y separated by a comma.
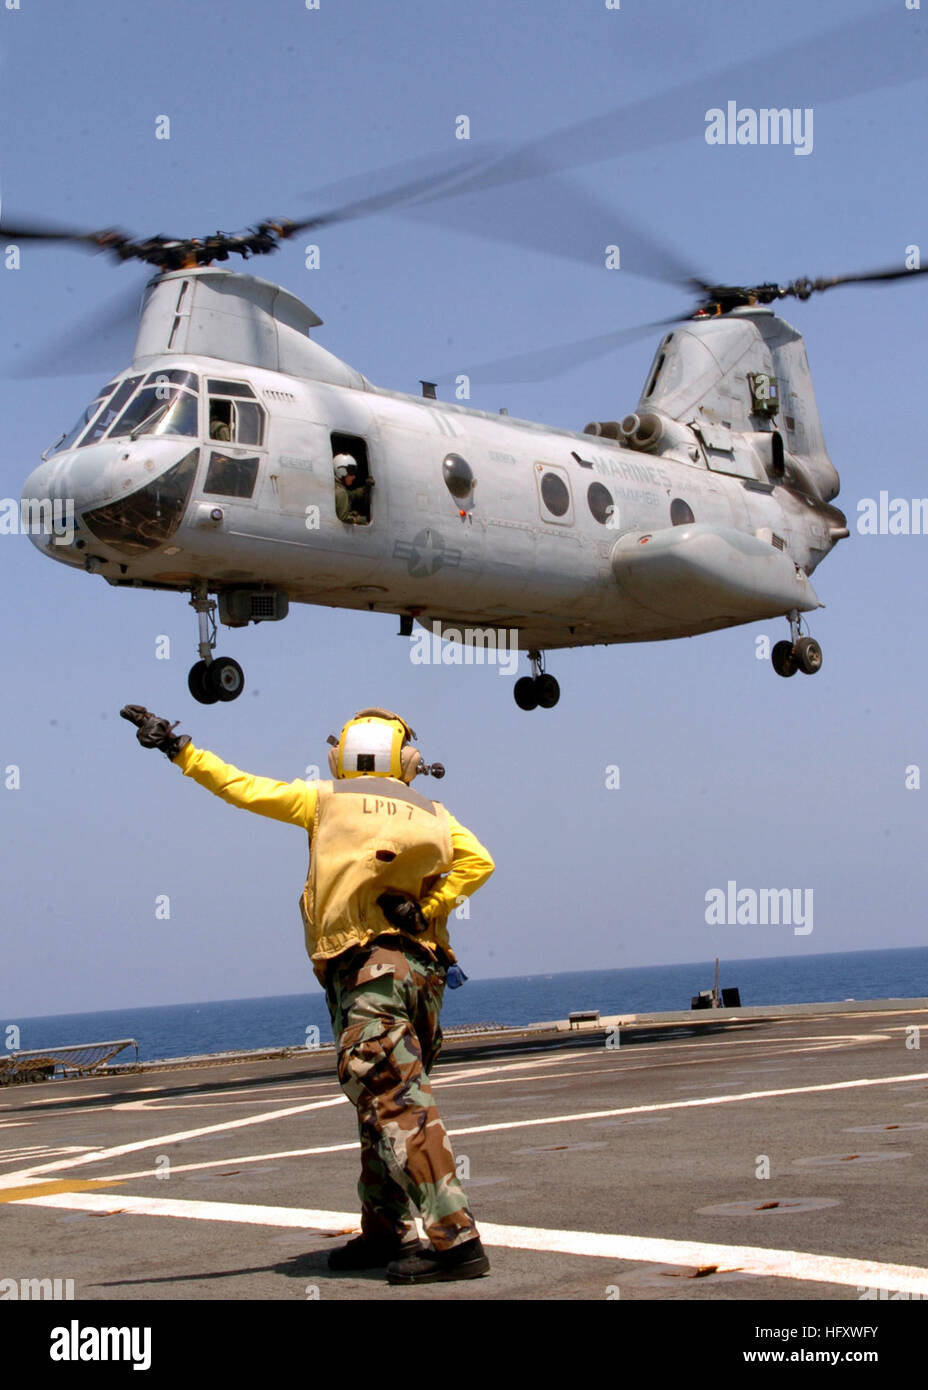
<point>150,419</point>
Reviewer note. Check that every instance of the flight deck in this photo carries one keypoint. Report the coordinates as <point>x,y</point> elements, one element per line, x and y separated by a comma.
<point>774,1154</point>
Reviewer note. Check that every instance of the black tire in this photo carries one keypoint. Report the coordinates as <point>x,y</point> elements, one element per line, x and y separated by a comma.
<point>548,691</point>
<point>226,679</point>
<point>525,693</point>
<point>808,656</point>
<point>197,684</point>
<point>783,660</point>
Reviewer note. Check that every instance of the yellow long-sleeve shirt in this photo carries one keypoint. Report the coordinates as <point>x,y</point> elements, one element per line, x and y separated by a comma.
<point>295,804</point>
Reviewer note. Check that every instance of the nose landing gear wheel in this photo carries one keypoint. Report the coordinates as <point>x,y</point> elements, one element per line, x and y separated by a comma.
<point>212,679</point>
<point>538,688</point>
<point>225,678</point>
<point>197,684</point>
<point>548,691</point>
<point>526,696</point>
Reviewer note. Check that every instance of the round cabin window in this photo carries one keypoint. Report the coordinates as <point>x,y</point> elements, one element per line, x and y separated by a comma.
<point>459,476</point>
<point>601,503</point>
<point>555,494</point>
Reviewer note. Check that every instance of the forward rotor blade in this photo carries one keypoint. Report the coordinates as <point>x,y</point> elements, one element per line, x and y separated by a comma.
<point>801,289</point>
<point>39,231</point>
<point>100,344</point>
<point>428,176</point>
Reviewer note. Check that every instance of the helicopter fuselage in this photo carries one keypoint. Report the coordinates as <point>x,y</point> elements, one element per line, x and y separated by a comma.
<point>211,471</point>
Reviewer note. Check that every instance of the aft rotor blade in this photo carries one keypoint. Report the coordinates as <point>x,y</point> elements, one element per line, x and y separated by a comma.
<point>545,363</point>
<point>881,50</point>
<point>556,217</point>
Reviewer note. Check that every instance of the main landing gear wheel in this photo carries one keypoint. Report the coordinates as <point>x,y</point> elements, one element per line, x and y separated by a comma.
<point>782,659</point>
<point>799,654</point>
<point>538,688</point>
<point>808,655</point>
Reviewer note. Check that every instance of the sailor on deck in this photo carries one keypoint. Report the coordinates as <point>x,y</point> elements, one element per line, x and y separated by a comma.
<point>386,868</point>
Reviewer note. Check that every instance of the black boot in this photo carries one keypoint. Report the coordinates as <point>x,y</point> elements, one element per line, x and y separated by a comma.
<point>467,1261</point>
<point>367,1252</point>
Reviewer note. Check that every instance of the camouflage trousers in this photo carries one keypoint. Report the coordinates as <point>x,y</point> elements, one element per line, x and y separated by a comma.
<point>385,1003</point>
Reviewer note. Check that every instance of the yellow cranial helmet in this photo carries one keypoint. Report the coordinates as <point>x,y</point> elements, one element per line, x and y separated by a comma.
<point>375,743</point>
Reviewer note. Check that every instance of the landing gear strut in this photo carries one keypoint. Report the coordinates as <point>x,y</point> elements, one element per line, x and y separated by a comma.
<point>212,679</point>
<point>538,688</point>
<point>798,654</point>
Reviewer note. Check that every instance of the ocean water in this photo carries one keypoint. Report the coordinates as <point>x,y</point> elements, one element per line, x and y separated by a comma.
<point>181,1030</point>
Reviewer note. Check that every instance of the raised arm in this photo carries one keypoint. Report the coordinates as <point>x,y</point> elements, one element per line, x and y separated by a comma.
<point>293,802</point>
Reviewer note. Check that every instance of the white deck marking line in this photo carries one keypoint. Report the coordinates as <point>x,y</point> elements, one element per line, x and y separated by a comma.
<point>784,1044</point>
<point>155,1106</point>
<point>24,1174</point>
<point>756,1260</point>
<point>629,1067</point>
<point>119,1149</point>
<point>691,1104</point>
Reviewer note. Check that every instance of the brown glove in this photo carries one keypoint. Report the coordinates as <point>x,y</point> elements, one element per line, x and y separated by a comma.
<point>155,732</point>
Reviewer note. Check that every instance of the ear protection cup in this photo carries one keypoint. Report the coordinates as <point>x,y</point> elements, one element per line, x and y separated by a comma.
<point>410,760</point>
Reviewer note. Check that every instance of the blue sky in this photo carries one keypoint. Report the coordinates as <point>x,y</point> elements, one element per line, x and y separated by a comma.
<point>727,772</point>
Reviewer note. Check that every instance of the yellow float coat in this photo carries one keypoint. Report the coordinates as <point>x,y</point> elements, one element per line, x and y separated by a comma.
<point>354,826</point>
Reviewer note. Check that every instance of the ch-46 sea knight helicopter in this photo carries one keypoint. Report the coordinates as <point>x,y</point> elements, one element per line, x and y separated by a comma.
<point>207,466</point>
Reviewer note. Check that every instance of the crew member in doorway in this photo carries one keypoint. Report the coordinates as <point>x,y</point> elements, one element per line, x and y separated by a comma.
<point>386,868</point>
<point>352,499</point>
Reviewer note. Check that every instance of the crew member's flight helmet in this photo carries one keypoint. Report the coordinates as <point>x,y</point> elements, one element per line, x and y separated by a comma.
<point>375,743</point>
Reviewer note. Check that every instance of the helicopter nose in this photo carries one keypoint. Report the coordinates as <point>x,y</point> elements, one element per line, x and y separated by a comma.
<point>126,497</point>
<point>47,509</point>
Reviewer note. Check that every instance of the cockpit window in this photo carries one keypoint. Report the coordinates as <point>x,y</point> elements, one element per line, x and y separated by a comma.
<point>110,411</point>
<point>68,439</point>
<point>228,477</point>
<point>149,517</point>
<point>235,421</point>
<point>229,388</point>
<point>159,409</point>
<point>177,376</point>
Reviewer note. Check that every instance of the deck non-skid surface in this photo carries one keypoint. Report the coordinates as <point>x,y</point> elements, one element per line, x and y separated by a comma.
<point>784,1158</point>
